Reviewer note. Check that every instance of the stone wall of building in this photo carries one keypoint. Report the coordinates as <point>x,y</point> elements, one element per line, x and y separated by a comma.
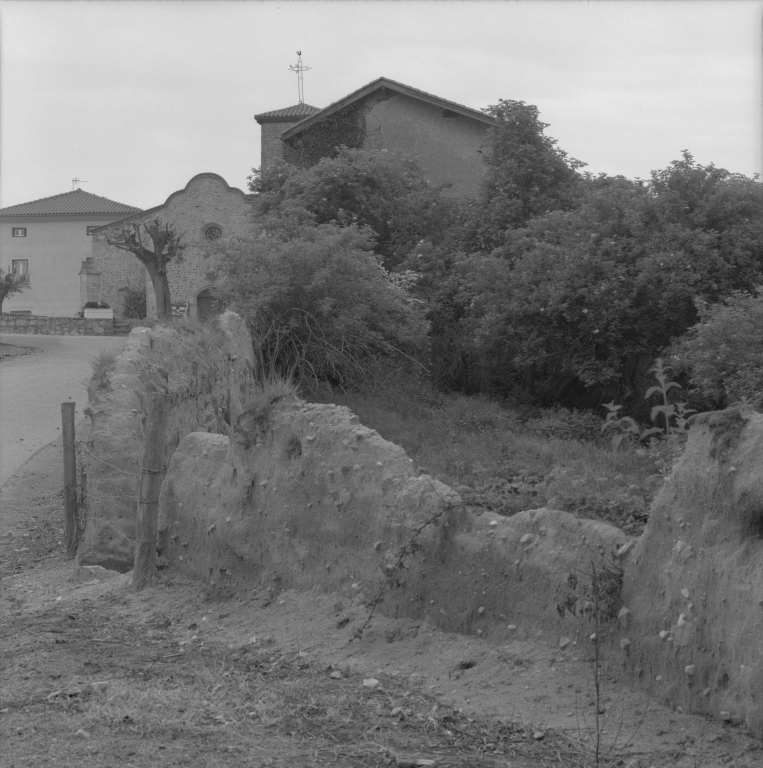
<point>56,326</point>
<point>207,201</point>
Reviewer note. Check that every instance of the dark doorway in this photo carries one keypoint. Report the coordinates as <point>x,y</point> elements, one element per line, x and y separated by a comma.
<point>206,304</point>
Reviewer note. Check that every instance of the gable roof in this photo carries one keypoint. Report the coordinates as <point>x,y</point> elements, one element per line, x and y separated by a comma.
<point>287,114</point>
<point>76,203</point>
<point>391,85</point>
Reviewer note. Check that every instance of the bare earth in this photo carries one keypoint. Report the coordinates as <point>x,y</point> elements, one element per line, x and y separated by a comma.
<point>185,676</point>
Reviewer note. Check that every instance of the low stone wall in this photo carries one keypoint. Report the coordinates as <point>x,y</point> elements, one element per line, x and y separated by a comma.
<point>209,375</point>
<point>56,326</point>
<point>303,496</point>
<point>694,582</point>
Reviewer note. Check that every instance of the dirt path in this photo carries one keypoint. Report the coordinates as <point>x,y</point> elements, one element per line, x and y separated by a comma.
<point>96,675</point>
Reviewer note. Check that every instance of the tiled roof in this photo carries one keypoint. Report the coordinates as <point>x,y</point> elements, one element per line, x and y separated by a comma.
<point>77,202</point>
<point>392,85</point>
<point>287,115</point>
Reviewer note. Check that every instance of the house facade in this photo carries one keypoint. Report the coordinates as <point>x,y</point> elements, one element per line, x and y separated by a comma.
<point>209,213</point>
<point>48,239</point>
<point>446,138</point>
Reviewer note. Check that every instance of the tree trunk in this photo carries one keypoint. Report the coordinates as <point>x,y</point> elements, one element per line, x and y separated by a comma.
<point>162,293</point>
<point>161,287</point>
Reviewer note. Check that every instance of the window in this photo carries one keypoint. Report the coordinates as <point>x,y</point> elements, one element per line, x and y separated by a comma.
<point>90,229</point>
<point>213,233</point>
<point>19,231</point>
<point>20,266</point>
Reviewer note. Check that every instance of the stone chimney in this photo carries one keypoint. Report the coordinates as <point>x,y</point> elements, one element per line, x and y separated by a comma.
<point>273,124</point>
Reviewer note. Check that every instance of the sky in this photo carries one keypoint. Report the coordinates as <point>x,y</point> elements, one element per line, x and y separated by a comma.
<point>135,98</point>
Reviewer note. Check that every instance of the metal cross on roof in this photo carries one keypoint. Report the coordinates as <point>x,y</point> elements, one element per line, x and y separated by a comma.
<point>299,69</point>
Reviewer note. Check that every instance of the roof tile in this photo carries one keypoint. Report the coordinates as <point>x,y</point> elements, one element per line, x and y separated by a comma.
<point>77,202</point>
<point>287,114</point>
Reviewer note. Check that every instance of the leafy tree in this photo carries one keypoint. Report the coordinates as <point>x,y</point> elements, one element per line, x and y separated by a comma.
<point>318,301</point>
<point>383,190</point>
<point>12,283</point>
<point>579,297</point>
<point>166,245</point>
<point>723,352</point>
<point>526,176</point>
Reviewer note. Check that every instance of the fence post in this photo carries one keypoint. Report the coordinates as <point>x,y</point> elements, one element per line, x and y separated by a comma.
<point>71,532</point>
<point>151,475</point>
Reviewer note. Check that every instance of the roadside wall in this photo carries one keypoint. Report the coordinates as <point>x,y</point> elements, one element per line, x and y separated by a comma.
<point>694,582</point>
<point>209,375</point>
<point>56,326</point>
<point>303,496</point>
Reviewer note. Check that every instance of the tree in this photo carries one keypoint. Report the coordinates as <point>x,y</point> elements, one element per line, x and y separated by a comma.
<point>12,283</point>
<point>318,302</point>
<point>167,246</point>
<point>527,175</point>
<point>384,190</point>
<point>723,352</point>
<point>582,297</point>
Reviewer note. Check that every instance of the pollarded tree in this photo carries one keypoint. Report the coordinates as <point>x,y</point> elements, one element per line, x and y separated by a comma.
<point>167,246</point>
<point>11,283</point>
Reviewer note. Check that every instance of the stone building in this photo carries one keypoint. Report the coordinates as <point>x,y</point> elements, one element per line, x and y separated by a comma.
<point>49,238</point>
<point>209,213</point>
<point>446,138</point>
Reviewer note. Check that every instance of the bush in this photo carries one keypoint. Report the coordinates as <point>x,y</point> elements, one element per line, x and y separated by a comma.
<point>319,304</point>
<point>134,305</point>
<point>723,353</point>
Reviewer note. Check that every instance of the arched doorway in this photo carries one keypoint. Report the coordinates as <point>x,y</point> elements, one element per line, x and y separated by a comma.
<point>206,304</point>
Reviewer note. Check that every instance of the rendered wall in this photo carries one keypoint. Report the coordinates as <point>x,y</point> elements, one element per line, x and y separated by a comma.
<point>446,147</point>
<point>209,376</point>
<point>55,250</point>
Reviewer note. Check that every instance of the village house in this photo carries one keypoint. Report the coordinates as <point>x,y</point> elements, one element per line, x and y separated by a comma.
<point>48,239</point>
<point>444,137</point>
<point>209,213</point>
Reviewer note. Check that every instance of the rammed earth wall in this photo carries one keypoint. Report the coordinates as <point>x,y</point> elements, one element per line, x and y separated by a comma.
<point>56,326</point>
<point>209,376</point>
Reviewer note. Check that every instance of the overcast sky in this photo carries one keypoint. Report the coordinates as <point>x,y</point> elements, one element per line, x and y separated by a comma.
<point>138,97</point>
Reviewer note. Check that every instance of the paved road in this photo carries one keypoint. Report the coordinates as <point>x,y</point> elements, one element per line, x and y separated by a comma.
<point>32,388</point>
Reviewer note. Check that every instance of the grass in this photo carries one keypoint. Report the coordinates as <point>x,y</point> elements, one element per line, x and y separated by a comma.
<point>509,459</point>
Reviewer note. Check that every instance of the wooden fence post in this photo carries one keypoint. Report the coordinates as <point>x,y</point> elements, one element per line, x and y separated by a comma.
<point>71,529</point>
<point>151,475</point>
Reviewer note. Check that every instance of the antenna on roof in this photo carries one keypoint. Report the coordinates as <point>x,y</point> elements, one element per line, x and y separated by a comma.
<point>299,69</point>
<point>76,182</point>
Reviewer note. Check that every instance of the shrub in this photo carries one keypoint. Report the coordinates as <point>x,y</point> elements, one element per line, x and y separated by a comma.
<point>134,305</point>
<point>723,353</point>
<point>319,304</point>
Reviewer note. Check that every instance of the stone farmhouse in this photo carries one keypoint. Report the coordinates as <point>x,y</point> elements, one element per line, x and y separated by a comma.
<point>209,213</point>
<point>446,138</point>
<point>49,238</point>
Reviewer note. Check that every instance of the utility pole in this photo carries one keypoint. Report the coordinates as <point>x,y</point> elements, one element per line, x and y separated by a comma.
<point>299,69</point>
